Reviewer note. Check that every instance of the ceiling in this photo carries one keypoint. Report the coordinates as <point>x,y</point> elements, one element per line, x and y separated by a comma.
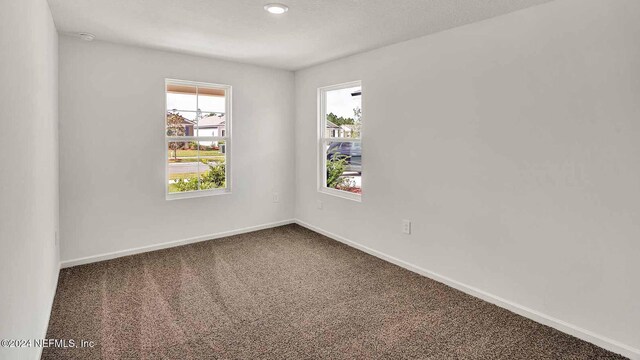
<point>313,31</point>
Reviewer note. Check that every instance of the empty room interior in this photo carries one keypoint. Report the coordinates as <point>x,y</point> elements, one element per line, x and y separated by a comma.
<point>327,179</point>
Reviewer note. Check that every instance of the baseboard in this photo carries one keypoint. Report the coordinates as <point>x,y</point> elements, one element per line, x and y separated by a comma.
<point>534,315</point>
<point>51,300</point>
<point>169,244</point>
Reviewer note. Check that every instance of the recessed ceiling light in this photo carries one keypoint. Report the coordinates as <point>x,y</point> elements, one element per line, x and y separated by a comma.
<point>276,8</point>
<point>86,36</point>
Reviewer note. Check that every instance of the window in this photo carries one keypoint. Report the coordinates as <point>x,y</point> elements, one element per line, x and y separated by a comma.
<point>340,148</point>
<point>197,139</point>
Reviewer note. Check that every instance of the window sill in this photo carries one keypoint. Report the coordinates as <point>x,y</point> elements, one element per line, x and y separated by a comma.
<point>196,194</point>
<point>342,194</point>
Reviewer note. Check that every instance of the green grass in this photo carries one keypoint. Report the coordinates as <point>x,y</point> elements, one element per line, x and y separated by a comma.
<point>195,159</point>
<point>182,176</point>
<point>194,153</point>
<point>192,156</point>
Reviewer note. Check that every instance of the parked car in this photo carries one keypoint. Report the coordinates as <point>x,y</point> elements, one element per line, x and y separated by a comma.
<point>351,151</point>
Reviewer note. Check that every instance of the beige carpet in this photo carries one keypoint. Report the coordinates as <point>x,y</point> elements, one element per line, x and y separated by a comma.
<point>284,293</point>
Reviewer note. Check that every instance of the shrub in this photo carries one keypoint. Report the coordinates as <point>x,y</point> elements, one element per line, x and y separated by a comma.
<point>190,184</point>
<point>336,166</point>
<point>214,178</point>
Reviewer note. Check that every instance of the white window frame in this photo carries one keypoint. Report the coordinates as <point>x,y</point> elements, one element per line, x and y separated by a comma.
<point>226,138</point>
<point>322,140</point>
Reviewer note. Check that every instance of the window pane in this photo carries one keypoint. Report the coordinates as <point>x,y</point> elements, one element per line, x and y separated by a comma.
<point>182,166</point>
<point>343,161</point>
<point>181,123</point>
<point>212,166</point>
<point>181,97</point>
<point>343,109</point>
<point>198,162</point>
<point>211,124</point>
<point>211,100</point>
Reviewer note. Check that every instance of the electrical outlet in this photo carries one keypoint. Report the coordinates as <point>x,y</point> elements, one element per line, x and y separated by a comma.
<point>319,204</point>
<point>276,197</point>
<point>406,226</point>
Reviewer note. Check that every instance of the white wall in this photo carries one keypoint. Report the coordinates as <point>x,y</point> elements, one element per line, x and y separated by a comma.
<point>112,157</point>
<point>513,145</point>
<point>28,171</point>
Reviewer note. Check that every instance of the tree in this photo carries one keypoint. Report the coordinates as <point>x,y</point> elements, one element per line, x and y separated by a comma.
<point>339,120</point>
<point>357,114</point>
<point>175,127</point>
<point>357,124</point>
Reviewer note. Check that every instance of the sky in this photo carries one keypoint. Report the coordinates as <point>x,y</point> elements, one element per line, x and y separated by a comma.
<point>341,103</point>
<point>187,102</point>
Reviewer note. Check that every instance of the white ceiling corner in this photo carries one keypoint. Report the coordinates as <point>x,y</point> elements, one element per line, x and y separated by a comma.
<point>311,32</point>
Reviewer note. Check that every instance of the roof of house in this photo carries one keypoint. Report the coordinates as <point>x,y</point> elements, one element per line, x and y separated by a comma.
<point>211,121</point>
<point>332,125</point>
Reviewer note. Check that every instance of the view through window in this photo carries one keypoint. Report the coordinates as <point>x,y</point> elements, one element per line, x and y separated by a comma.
<point>197,138</point>
<point>340,142</point>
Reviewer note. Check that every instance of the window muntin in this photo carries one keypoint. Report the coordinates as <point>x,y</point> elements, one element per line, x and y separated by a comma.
<point>197,138</point>
<point>340,147</point>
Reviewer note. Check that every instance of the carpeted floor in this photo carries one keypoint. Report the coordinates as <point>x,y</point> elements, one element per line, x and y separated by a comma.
<point>284,293</point>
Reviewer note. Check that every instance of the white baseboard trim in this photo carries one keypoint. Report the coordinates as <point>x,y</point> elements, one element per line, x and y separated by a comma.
<point>50,308</point>
<point>169,244</point>
<point>586,335</point>
<point>580,333</point>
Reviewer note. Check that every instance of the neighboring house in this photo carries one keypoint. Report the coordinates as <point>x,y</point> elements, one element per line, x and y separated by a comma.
<point>346,130</point>
<point>213,125</point>
<point>188,127</point>
<point>332,130</point>
<point>342,131</point>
